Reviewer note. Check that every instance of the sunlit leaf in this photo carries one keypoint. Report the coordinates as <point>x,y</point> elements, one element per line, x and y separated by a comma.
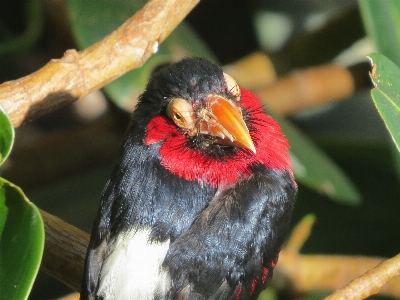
<point>90,23</point>
<point>386,94</point>
<point>6,135</point>
<point>21,242</point>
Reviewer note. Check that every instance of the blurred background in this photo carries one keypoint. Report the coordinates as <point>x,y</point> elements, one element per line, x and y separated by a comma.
<point>63,159</point>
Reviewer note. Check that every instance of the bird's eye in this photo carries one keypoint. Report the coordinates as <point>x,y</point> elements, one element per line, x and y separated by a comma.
<point>181,112</point>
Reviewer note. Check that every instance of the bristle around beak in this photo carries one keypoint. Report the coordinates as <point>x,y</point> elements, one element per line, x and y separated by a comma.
<point>224,120</point>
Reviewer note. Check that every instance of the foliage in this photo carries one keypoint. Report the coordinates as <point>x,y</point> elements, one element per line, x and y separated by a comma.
<point>21,230</point>
<point>386,94</point>
<point>382,21</point>
<point>327,166</point>
<point>6,136</point>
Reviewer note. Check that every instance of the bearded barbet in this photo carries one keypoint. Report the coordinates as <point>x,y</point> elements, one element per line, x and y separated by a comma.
<point>201,198</point>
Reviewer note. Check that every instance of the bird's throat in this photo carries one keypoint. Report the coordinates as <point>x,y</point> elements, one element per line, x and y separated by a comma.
<point>192,159</point>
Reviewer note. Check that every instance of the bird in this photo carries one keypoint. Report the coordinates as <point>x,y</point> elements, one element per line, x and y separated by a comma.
<point>200,200</point>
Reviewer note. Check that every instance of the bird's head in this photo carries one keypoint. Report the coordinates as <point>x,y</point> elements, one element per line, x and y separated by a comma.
<point>216,119</point>
<point>207,128</point>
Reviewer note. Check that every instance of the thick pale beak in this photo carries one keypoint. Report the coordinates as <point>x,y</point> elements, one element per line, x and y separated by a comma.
<point>226,122</point>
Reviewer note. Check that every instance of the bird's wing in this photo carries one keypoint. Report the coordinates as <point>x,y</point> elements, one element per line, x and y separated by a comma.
<point>235,240</point>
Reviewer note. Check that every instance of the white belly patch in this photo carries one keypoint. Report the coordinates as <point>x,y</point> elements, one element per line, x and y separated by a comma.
<point>133,269</point>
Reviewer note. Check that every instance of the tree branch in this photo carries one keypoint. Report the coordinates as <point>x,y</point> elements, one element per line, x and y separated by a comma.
<point>64,251</point>
<point>297,274</point>
<point>372,282</point>
<point>62,81</point>
<point>301,89</point>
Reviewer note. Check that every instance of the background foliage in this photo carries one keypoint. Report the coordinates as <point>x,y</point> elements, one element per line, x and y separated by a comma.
<point>344,158</point>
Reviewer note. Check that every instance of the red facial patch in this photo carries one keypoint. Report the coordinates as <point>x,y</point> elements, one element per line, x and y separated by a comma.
<point>271,146</point>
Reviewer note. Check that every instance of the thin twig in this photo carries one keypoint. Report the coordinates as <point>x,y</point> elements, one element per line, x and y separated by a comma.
<point>299,273</point>
<point>371,282</point>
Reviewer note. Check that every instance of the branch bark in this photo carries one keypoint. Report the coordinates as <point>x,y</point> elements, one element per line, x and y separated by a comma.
<point>64,251</point>
<point>62,81</point>
<point>372,282</point>
<point>303,273</point>
<point>301,89</point>
<point>308,88</point>
<point>297,274</point>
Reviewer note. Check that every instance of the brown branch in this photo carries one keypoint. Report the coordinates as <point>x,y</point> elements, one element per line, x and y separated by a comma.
<point>64,251</point>
<point>308,88</point>
<point>300,90</point>
<point>76,74</point>
<point>303,273</point>
<point>372,281</point>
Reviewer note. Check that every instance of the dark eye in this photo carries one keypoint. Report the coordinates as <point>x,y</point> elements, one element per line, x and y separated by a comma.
<point>176,116</point>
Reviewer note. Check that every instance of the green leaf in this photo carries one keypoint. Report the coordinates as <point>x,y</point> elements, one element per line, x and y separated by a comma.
<point>386,94</point>
<point>6,135</point>
<point>21,242</point>
<point>315,169</point>
<point>90,23</point>
<point>268,294</point>
<point>382,22</point>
